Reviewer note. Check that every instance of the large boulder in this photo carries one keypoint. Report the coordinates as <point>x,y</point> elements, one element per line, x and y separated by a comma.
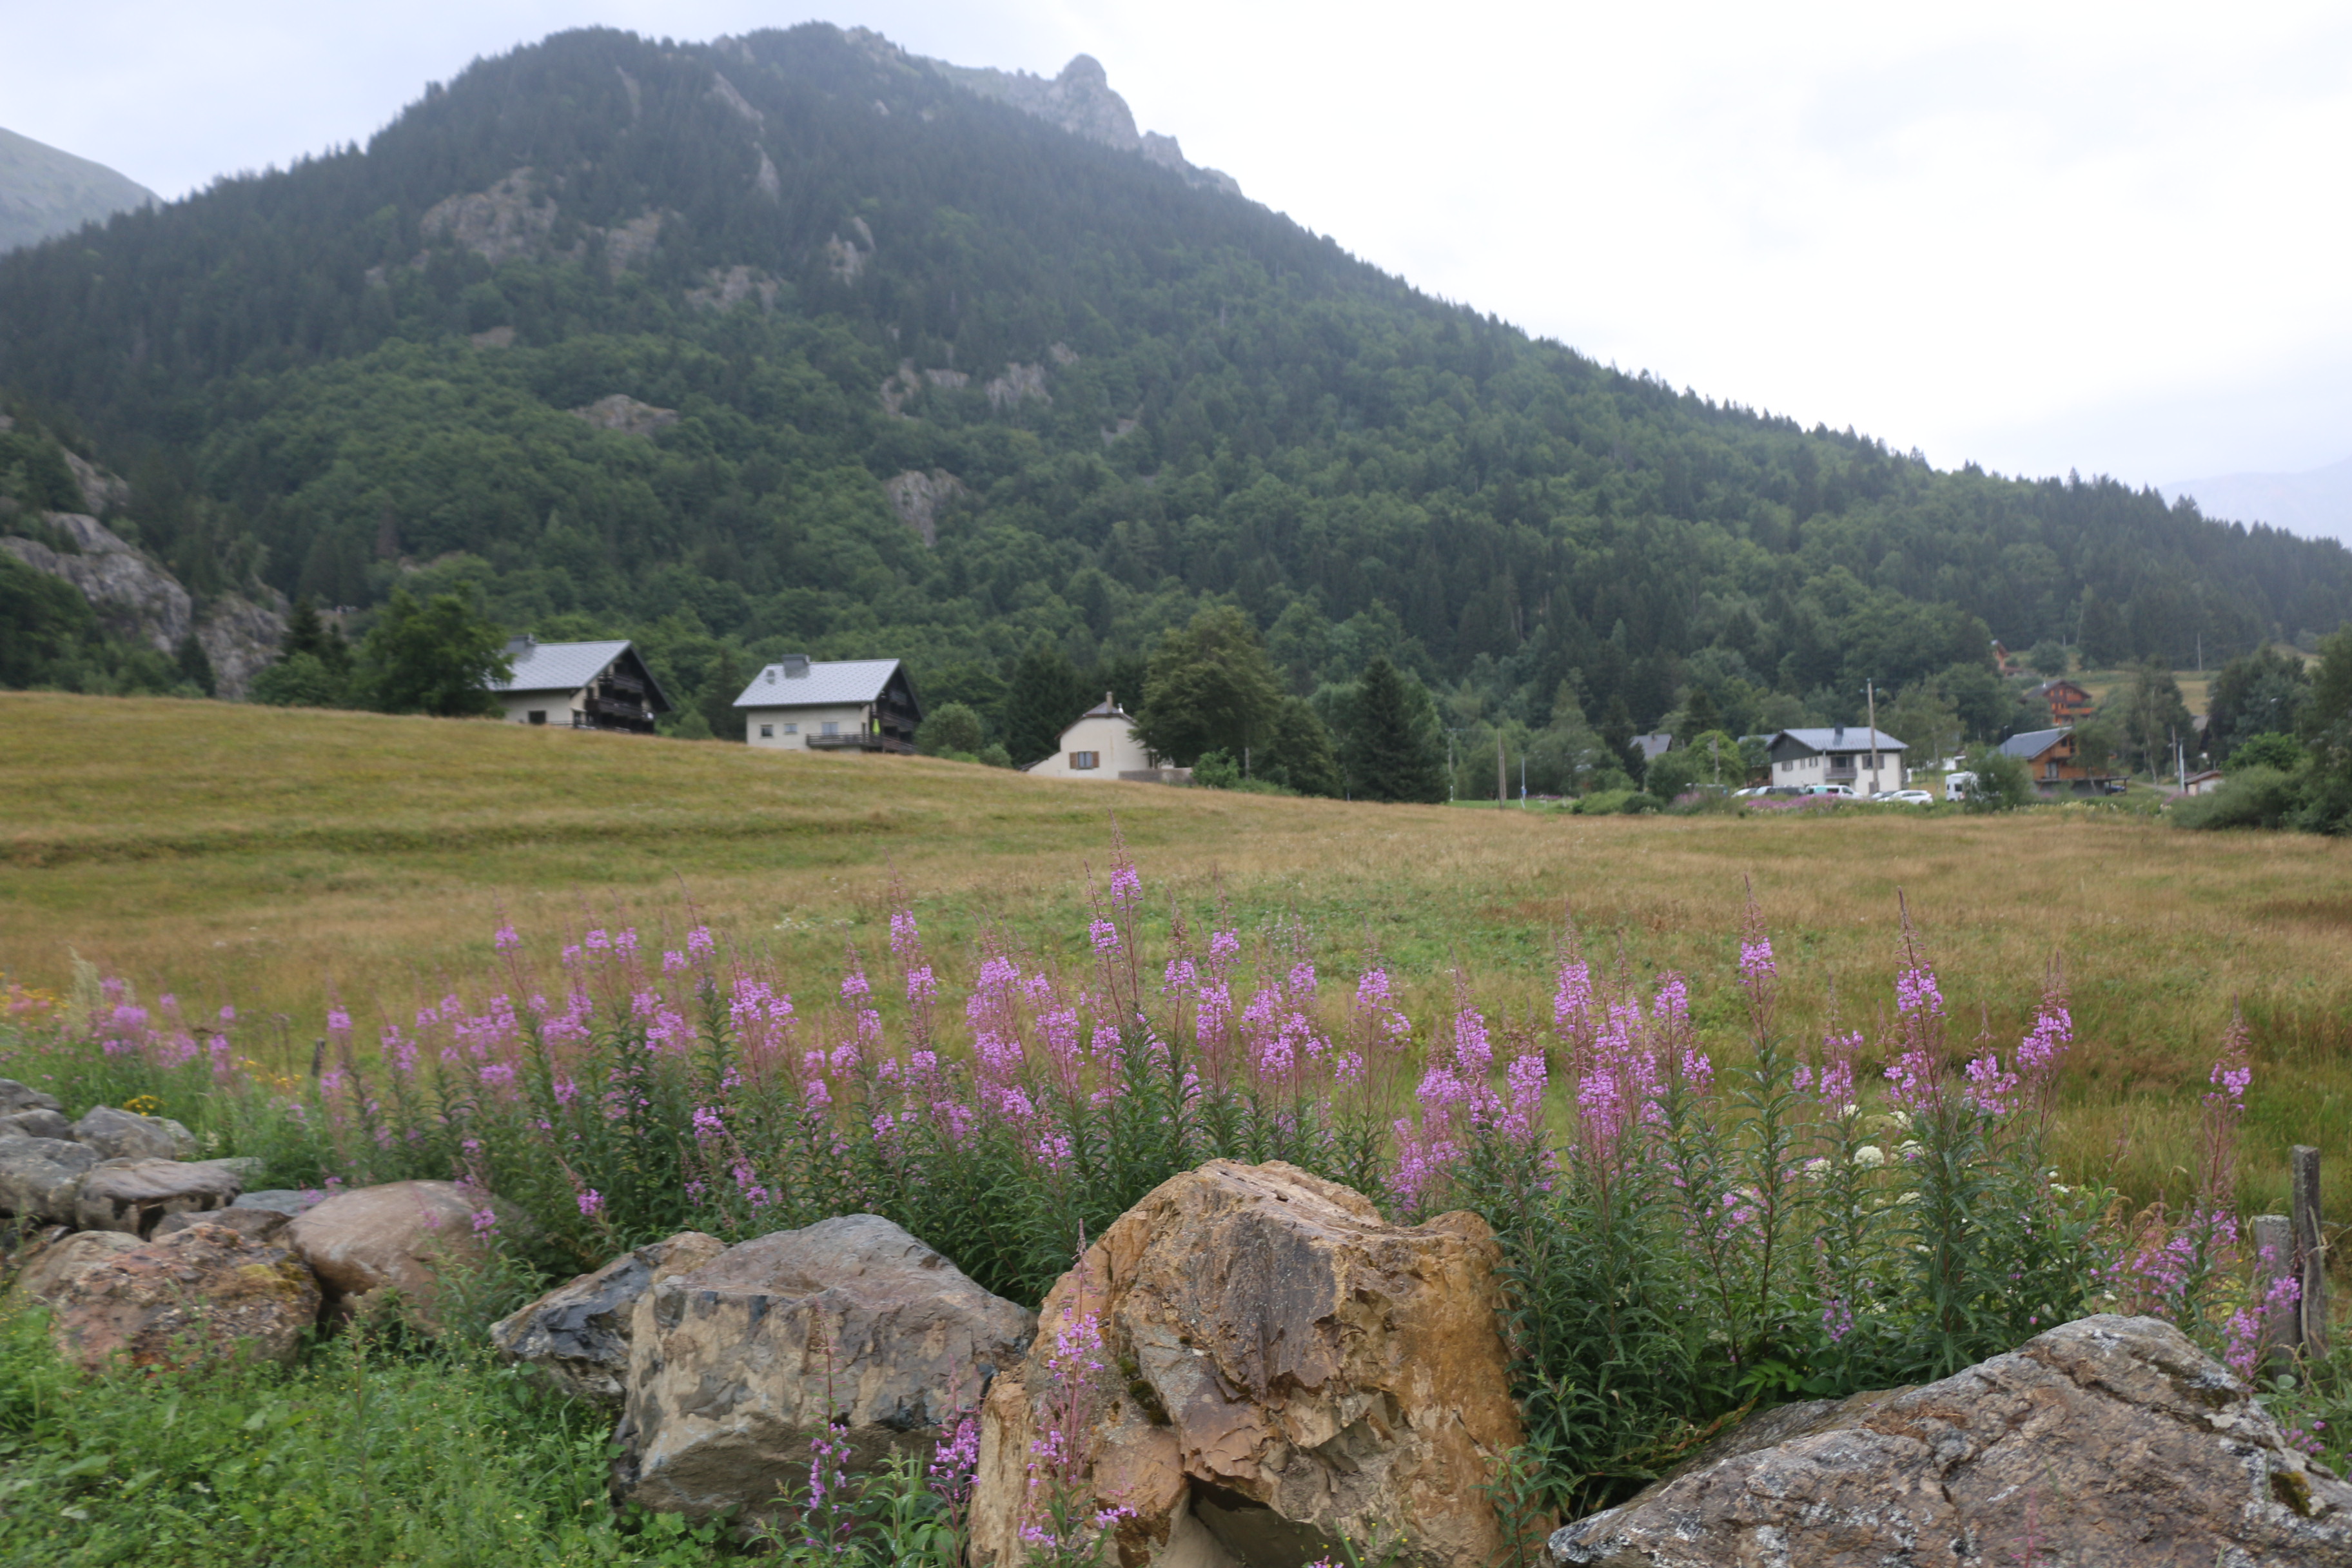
<point>2109,1439</point>
<point>39,1177</point>
<point>400,1236</point>
<point>288,1201</point>
<point>206,1292</point>
<point>36,1123</point>
<point>15,1096</point>
<point>134,1194</point>
<point>1282,1369</point>
<point>578,1335</point>
<point>127,1135</point>
<point>45,1269</point>
<point>735,1365</point>
<point>253,1223</point>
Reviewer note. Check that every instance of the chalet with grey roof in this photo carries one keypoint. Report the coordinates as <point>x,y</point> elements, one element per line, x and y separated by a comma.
<point>802,704</point>
<point>1838,755</point>
<point>579,686</point>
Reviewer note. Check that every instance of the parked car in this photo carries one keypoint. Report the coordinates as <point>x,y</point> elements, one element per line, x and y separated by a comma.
<point>1903,797</point>
<point>1836,791</point>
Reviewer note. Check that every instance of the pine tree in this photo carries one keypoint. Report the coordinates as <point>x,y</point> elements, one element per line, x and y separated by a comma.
<point>1393,753</point>
<point>1045,694</point>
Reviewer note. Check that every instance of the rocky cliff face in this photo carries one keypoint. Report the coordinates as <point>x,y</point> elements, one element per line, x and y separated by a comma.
<point>45,192</point>
<point>135,597</point>
<point>1080,101</point>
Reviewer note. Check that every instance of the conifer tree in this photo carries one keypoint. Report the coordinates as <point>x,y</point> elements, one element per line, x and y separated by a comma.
<point>1044,695</point>
<point>1393,751</point>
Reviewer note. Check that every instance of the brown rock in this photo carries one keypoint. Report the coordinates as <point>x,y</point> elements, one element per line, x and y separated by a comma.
<point>1290,1369</point>
<point>735,1365</point>
<point>205,1292</point>
<point>47,1269</point>
<point>2109,1439</point>
<point>579,1333</point>
<point>127,1135</point>
<point>401,1235</point>
<point>135,1195</point>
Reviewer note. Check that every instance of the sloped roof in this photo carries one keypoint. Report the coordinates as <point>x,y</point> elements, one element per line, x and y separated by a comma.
<point>558,666</point>
<point>840,682</point>
<point>1105,708</point>
<point>2034,743</point>
<point>1653,746</point>
<point>1852,738</point>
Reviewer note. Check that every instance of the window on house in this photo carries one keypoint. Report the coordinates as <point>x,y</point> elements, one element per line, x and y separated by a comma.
<point>832,727</point>
<point>792,729</point>
<point>538,715</point>
<point>2050,770</point>
<point>1082,760</point>
<point>767,731</point>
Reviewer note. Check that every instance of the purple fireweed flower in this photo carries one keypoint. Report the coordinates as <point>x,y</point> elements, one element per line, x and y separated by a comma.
<point>1055,1151</point>
<point>672,962</point>
<point>485,1221</point>
<point>1125,885</point>
<point>1104,935</point>
<point>591,1204</point>
<point>1990,1088</point>
<point>905,940</point>
<point>338,1021</point>
<point>708,1124</point>
<point>506,941</point>
<point>1916,994</point>
<point>854,985</point>
<point>921,989</point>
<point>1756,961</point>
<point>699,943</point>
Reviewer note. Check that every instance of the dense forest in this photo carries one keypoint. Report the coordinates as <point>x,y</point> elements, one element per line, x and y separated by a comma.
<point>789,342</point>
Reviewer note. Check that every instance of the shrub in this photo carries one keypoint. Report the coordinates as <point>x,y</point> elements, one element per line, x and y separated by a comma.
<point>2001,783</point>
<point>2249,798</point>
<point>953,729</point>
<point>1641,801</point>
<point>2281,754</point>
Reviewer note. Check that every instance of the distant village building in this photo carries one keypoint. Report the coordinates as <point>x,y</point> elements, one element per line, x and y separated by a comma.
<point>2204,783</point>
<point>1838,755</point>
<point>2051,757</point>
<point>579,686</point>
<point>2068,702</point>
<point>1102,744</point>
<point>2004,661</point>
<point>1653,747</point>
<point>848,705</point>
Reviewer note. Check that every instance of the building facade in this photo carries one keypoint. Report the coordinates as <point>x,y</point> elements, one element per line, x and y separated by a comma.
<point>2051,759</point>
<point>579,686</point>
<point>1101,744</point>
<point>1838,755</point>
<point>798,704</point>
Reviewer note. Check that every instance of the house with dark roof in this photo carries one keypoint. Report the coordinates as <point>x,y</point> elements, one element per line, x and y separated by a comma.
<point>1866,760</point>
<point>843,705</point>
<point>2051,758</point>
<point>579,686</point>
<point>2069,704</point>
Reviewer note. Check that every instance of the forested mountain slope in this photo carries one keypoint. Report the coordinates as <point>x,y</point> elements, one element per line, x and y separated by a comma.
<point>46,191</point>
<point>790,342</point>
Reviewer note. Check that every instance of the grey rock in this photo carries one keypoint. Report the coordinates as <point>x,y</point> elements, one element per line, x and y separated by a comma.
<point>15,1095</point>
<point>133,595</point>
<point>2109,1439</point>
<point>254,1225</point>
<point>288,1201</point>
<point>40,1176</point>
<point>35,1124</point>
<point>127,1135</point>
<point>735,1365</point>
<point>135,1196</point>
<point>578,1335</point>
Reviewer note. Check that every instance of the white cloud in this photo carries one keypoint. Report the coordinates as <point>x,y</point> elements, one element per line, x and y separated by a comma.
<point>2098,236</point>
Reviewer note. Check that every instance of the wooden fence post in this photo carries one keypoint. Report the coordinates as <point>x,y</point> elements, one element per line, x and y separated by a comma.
<point>2310,1252</point>
<point>2282,1328</point>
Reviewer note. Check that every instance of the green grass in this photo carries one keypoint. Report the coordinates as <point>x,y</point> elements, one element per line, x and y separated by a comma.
<point>360,1455</point>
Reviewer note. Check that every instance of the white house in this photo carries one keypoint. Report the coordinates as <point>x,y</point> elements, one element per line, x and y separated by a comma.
<point>579,686</point>
<point>846,705</point>
<point>1102,744</point>
<point>1838,756</point>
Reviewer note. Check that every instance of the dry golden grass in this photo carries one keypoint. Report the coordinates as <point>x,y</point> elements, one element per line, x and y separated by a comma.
<point>266,856</point>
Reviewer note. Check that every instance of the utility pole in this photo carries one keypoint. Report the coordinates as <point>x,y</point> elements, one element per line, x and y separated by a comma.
<point>1870,696</point>
<point>1450,781</point>
<point>1523,781</point>
<point>1715,751</point>
<point>1502,774</point>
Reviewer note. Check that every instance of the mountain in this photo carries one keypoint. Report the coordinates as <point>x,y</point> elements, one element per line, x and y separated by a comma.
<point>799,343</point>
<point>2316,505</point>
<point>44,191</point>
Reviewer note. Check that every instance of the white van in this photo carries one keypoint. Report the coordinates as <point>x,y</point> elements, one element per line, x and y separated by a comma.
<point>1956,785</point>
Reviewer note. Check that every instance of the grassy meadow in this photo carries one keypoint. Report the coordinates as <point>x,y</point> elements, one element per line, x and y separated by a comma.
<point>272,859</point>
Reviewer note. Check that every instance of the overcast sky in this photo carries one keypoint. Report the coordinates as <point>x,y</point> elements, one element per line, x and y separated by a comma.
<point>2040,237</point>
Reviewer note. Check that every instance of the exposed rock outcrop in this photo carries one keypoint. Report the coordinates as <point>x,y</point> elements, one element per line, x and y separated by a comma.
<point>735,1365</point>
<point>1291,1369</point>
<point>15,1096</point>
<point>2109,1439</point>
<point>730,286</point>
<point>626,416</point>
<point>45,1269</point>
<point>205,1291</point>
<point>847,257</point>
<point>917,497</point>
<point>1019,381</point>
<point>35,1124</point>
<point>578,1335</point>
<point>508,222</point>
<point>1080,101</point>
